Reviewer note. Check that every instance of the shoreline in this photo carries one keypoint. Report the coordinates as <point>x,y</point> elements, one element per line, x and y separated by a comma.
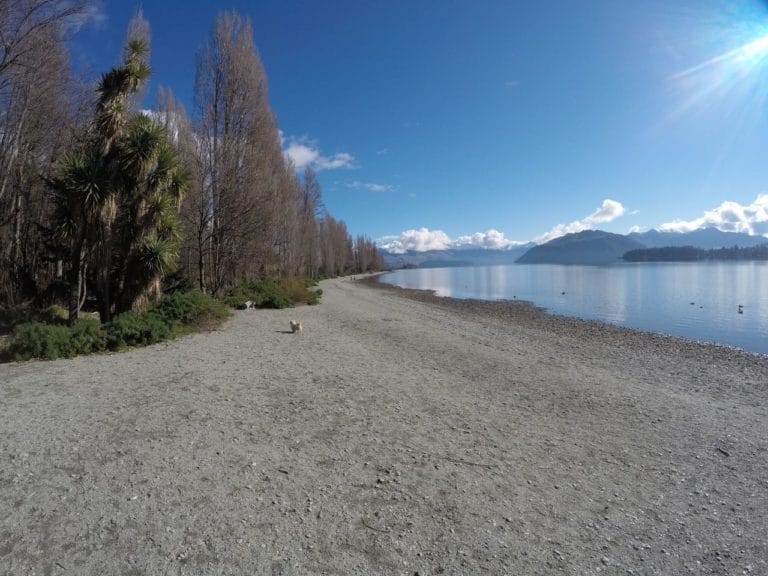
<point>527,311</point>
<point>394,435</point>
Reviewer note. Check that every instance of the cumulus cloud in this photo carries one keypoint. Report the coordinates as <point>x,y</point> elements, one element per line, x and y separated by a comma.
<point>728,217</point>
<point>608,211</point>
<point>370,186</point>
<point>424,239</point>
<point>303,153</point>
<point>419,240</point>
<point>488,239</point>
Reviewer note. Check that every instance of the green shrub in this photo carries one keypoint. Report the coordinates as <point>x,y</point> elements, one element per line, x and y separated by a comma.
<point>51,341</point>
<point>272,293</point>
<point>191,309</point>
<point>267,293</point>
<point>87,337</point>
<point>130,329</point>
<point>313,296</point>
<point>175,314</point>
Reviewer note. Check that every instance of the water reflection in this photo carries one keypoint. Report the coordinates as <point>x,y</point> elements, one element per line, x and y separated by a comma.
<point>693,300</point>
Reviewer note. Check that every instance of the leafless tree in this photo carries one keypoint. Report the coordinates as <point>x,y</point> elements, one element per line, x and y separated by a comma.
<point>21,24</point>
<point>33,95</point>
<point>242,168</point>
<point>367,256</point>
<point>194,212</point>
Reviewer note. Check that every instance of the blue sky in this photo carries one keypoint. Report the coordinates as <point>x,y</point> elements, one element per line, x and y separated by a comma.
<point>436,122</point>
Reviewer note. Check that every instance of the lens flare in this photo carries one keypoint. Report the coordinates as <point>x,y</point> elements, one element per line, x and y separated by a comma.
<point>756,49</point>
<point>736,78</point>
<point>741,60</point>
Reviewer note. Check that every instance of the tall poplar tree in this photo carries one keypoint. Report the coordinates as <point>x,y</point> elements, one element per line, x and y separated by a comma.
<point>243,170</point>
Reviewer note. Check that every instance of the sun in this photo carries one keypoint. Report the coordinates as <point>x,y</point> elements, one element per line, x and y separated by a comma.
<point>734,80</point>
<point>754,51</point>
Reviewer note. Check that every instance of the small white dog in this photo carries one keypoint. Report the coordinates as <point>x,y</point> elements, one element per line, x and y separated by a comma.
<point>295,326</point>
<point>249,304</point>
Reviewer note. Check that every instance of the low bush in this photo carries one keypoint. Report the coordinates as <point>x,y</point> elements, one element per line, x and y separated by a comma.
<point>175,314</point>
<point>272,293</point>
<point>52,341</point>
<point>130,329</point>
<point>192,309</point>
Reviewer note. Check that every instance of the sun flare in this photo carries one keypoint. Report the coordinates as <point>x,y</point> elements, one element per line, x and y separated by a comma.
<point>736,78</point>
<point>755,50</point>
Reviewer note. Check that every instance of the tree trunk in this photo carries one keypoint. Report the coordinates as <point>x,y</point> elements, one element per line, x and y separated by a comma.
<point>201,260</point>
<point>76,280</point>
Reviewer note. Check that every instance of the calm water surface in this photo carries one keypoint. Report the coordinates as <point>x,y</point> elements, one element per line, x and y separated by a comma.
<point>698,301</point>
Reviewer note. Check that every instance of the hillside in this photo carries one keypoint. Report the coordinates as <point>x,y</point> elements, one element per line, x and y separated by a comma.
<point>587,247</point>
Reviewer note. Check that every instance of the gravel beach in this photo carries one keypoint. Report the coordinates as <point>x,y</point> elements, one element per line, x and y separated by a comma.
<point>398,433</point>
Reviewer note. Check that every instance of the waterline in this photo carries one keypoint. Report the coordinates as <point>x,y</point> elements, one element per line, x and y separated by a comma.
<point>697,301</point>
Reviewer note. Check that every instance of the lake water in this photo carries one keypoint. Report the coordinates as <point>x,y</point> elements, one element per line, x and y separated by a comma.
<point>698,301</point>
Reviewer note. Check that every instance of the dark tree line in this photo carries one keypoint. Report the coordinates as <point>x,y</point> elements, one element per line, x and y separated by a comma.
<point>99,201</point>
<point>692,254</point>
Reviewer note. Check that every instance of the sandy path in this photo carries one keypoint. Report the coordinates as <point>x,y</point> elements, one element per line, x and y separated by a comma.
<point>395,435</point>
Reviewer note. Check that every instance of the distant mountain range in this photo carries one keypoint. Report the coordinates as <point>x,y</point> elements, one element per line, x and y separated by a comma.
<point>588,247</point>
<point>705,238</point>
<point>455,257</point>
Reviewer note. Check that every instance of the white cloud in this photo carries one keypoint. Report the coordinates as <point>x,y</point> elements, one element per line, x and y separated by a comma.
<point>424,239</point>
<point>370,186</point>
<point>339,160</point>
<point>92,14</point>
<point>303,153</point>
<point>608,211</point>
<point>637,229</point>
<point>488,239</point>
<point>419,240</point>
<point>728,217</point>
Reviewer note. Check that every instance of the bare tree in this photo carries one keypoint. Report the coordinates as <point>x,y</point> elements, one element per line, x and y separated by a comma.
<point>30,141</point>
<point>243,169</point>
<point>195,213</point>
<point>21,23</point>
<point>367,255</point>
<point>310,210</point>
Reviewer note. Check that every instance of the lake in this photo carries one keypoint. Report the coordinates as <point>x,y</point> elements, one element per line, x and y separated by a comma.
<point>698,301</point>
